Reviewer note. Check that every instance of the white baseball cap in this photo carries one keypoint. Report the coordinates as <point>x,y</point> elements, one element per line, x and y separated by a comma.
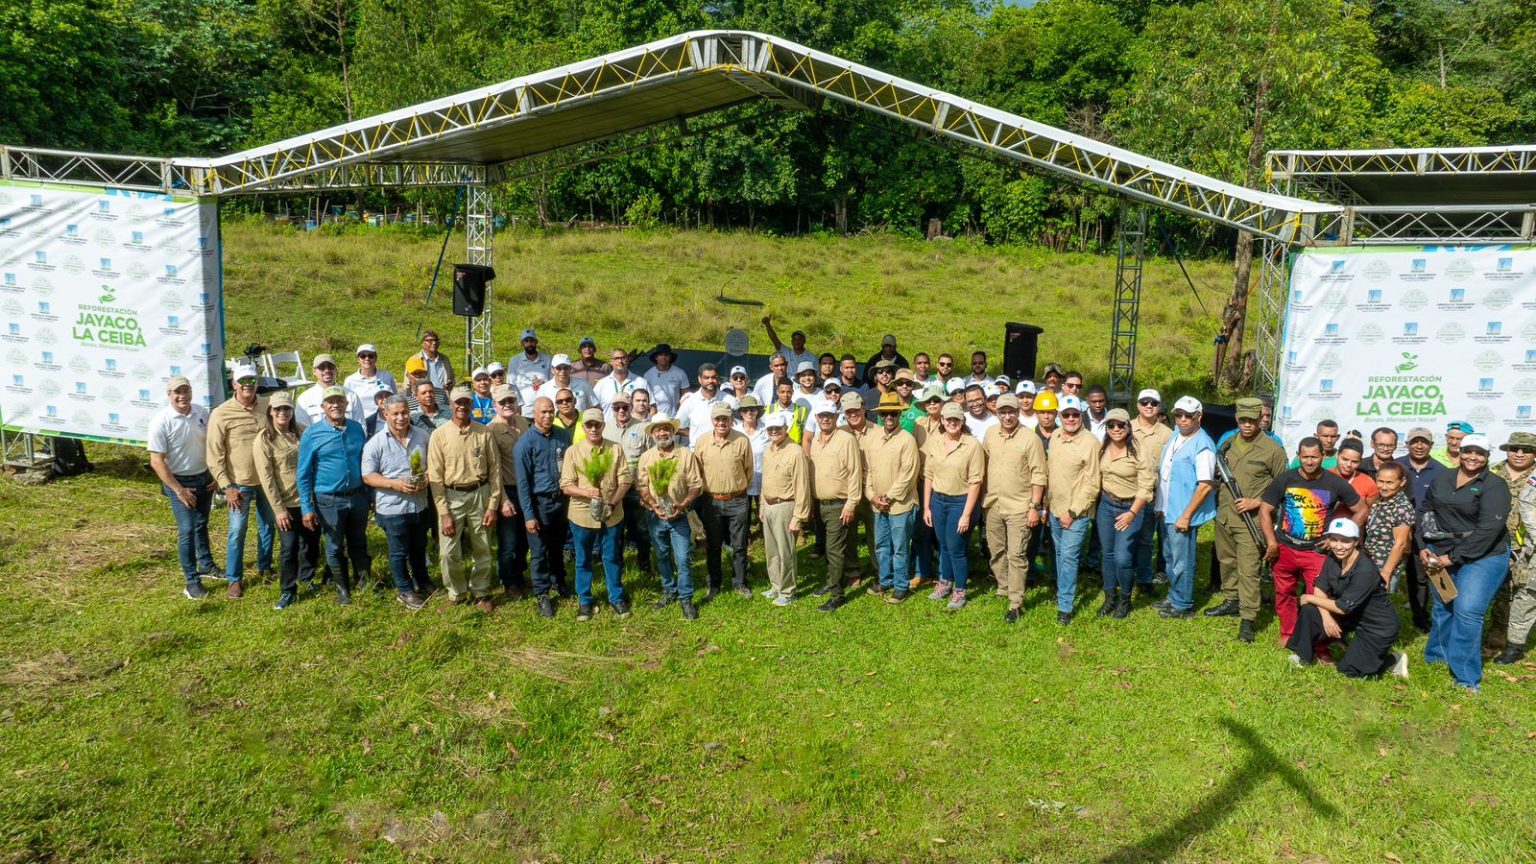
<point>804,367</point>
<point>831,382</point>
<point>954,386</point>
<point>494,368</point>
<point>242,369</point>
<point>1344,528</point>
<point>560,360</point>
<point>1071,403</point>
<point>1476,442</point>
<point>1003,382</point>
<point>480,370</point>
<point>528,334</point>
<point>737,370</point>
<point>1025,386</point>
<point>366,348</point>
<point>778,419</point>
<point>1149,393</point>
<point>1189,405</point>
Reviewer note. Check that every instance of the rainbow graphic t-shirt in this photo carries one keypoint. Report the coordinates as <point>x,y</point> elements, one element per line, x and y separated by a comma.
<point>1302,506</point>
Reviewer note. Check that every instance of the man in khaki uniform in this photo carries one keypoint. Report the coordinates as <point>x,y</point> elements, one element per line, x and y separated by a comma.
<point>1256,460</point>
<point>596,511</point>
<point>511,534</point>
<point>1072,475</point>
<point>856,423</point>
<point>1151,432</point>
<point>891,468</point>
<point>837,481</point>
<point>725,457</point>
<point>464,470</point>
<point>232,429</point>
<point>1016,480</point>
<point>667,510</point>
<point>786,504</point>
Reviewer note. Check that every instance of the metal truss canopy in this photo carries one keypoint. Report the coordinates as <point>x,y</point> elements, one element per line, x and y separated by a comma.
<point>683,76</point>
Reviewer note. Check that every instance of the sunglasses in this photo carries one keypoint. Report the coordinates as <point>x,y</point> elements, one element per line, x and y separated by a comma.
<point>1526,450</point>
<point>1150,402</point>
<point>1180,415</point>
<point>246,382</point>
<point>1114,424</point>
<point>1070,412</point>
<point>565,401</point>
<point>367,356</point>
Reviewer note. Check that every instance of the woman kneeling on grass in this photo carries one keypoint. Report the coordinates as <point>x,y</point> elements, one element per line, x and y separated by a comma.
<point>1349,597</point>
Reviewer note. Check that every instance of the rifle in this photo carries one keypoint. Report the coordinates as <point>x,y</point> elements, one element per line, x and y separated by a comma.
<point>1230,481</point>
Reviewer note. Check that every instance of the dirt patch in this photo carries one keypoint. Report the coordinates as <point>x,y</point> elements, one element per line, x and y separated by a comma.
<point>54,669</point>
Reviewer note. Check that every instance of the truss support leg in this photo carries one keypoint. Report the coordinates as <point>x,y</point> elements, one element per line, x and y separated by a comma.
<point>1131,244</point>
<point>24,451</point>
<point>478,349</point>
<point>1274,287</point>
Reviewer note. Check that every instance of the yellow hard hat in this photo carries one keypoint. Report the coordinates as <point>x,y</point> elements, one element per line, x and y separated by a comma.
<point>1045,401</point>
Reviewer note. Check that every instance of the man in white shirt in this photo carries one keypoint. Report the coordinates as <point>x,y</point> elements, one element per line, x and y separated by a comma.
<point>666,382</point>
<point>978,369</point>
<point>828,399</point>
<point>560,370</point>
<point>178,454</point>
<point>307,407</point>
<point>796,352</point>
<point>977,418</point>
<point>1025,390</point>
<point>693,413</point>
<point>528,371</point>
<point>764,388</point>
<point>615,382</point>
<point>1098,411</point>
<point>369,379</point>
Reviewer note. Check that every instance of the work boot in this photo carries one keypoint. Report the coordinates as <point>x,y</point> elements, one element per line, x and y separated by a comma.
<point>284,600</point>
<point>546,606</point>
<point>1111,600</point>
<point>236,590</point>
<point>665,601</point>
<point>1063,618</point>
<point>621,609</point>
<point>1246,630</point>
<point>1227,608</point>
<point>1013,615</point>
<point>690,612</point>
<point>1122,608</point>
<point>956,600</point>
<point>1510,654</point>
<point>941,590</point>
<point>343,590</point>
<point>831,604</point>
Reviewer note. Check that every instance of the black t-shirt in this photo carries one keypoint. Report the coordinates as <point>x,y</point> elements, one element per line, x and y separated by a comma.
<point>1351,591</point>
<point>1302,506</point>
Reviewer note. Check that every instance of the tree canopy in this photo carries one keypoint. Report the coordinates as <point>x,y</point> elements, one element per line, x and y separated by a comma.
<point>1195,83</point>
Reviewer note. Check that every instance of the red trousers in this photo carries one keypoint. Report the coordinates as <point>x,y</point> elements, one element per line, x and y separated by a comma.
<point>1291,566</point>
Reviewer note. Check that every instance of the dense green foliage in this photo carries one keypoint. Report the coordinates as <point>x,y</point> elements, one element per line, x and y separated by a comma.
<point>1198,83</point>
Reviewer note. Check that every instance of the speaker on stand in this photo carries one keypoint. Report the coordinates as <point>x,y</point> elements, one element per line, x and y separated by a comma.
<point>1021,345</point>
<point>469,288</point>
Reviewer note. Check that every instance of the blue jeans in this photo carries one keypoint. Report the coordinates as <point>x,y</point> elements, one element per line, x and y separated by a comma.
<point>1119,547</point>
<point>344,522</point>
<point>266,532</point>
<point>1456,628</point>
<point>1179,549</point>
<point>407,537</point>
<point>1069,546</point>
<point>593,542</point>
<point>893,537</point>
<point>192,525</point>
<point>672,543</point>
<point>1147,549</point>
<point>511,545</point>
<point>954,566</point>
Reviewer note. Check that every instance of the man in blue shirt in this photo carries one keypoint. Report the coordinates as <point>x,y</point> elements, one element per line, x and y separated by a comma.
<point>538,454</point>
<point>1420,468</point>
<point>331,492</point>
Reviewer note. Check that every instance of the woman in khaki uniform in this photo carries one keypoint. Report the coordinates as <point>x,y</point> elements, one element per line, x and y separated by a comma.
<point>277,464</point>
<point>954,469</point>
<point>1127,484</point>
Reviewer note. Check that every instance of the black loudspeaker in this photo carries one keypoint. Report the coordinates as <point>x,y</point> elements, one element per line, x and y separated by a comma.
<point>1021,345</point>
<point>469,288</point>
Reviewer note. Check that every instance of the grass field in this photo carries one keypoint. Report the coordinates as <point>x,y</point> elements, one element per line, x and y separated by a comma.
<point>138,726</point>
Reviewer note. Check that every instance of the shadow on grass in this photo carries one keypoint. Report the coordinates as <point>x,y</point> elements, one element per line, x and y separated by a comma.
<point>1261,764</point>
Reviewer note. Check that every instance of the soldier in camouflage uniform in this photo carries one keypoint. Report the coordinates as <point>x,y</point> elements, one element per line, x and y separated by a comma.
<point>1517,601</point>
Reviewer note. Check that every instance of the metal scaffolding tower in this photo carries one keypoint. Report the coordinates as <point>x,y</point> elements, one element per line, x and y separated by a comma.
<point>1131,244</point>
<point>479,231</point>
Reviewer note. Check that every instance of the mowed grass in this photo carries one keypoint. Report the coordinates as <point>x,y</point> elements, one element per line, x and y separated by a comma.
<point>138,726</point>
<point>316,292</point>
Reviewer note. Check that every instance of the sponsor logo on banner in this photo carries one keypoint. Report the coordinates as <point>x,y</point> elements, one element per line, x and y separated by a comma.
<point>1481,416</point>
<point>1401,397</point>
<point>1485,390</point>
<point>103,238</point>
<point>1497,299</point>
<point>9,283</point>
<point>1336,274</point>
<point>1330,362</point>
<point>1525,388</point>
<point>1505,271</point>
<point>1373,302</point>
<point>1410,334</point>
<point>1459,269</point>
<point>1488,361</point>
<point>1493,334</point>
<point>40,263</point>
<point>1456,301</point>
<point>107,325</point>
<point>103,212</point>
<point>1413,300</point>
<point>1451,333</point>
<point>44,311</point>
<point>1378,271</point>
<point>1418,271</point>
<point>1370,333</point>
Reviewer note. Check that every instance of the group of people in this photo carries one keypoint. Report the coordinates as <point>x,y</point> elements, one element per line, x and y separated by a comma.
<point>545,456</point>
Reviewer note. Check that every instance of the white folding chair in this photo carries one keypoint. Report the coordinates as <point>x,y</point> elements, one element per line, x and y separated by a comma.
<point>276,366</point>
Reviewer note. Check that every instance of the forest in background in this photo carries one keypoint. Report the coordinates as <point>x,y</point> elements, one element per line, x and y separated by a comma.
<point>1208,85</point>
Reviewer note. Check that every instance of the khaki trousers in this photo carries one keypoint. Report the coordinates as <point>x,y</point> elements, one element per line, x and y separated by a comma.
<point>779,546</point>
<point>1522,605</point>
<point>467,509</point>
<point>1241,564</point>
<point>1008,541</point>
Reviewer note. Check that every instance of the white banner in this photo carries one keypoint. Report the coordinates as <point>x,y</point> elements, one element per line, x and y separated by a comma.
<point>1410,336</point>
<point>104,296</point>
